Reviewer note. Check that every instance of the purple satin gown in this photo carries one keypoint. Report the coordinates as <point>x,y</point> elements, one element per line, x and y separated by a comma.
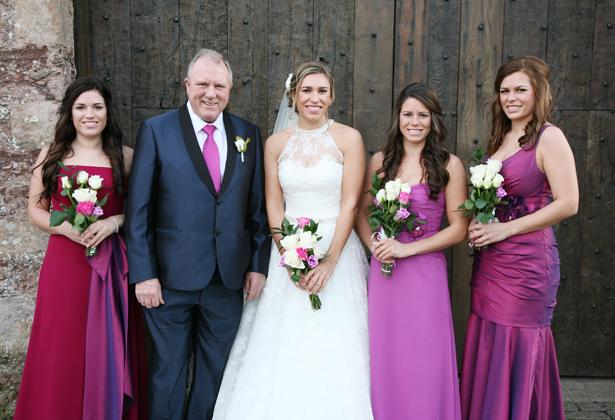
<point>509,369</point>
<point>412,344</point>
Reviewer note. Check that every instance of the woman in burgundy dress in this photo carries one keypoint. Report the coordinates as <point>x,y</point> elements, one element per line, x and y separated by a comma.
<point>509,368</point>
<point>86,355</point>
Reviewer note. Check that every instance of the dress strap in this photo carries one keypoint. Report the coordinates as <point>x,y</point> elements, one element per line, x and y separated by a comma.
<point>544,127</point>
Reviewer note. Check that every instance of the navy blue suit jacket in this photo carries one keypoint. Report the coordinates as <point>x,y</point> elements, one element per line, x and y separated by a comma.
<point>178,229</point>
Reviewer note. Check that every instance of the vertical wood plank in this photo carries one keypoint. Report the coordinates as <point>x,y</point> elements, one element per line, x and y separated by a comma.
<point>480,52</point>
<point>596,345</point>
<point>569,51</point>
<point>291,24</point>
<point>373,75</point>
<point>525,29</point>
<point>156,77</point>
<point>603,64</point>
<point>202,24</point>
<point>82,37</point>
<point>141,114</point>
<point>411,54</point>
<point>565,322</point>
<point>443,69</point>
<point>247,54</point>
<point>111,54</point>
<point>333,46</point>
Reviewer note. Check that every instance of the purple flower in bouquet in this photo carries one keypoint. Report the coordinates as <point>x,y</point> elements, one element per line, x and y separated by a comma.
<point>312,261</point>
<point>500,192</point>
<point>97,211</point>
<point>303,222</point>
<point>282,261</point>
<point>402,213</point>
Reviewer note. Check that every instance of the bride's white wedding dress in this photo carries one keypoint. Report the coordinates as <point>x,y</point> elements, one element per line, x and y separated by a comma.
<point>289,362</point>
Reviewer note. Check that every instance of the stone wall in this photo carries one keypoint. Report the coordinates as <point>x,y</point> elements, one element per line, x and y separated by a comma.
<point>36,66</point>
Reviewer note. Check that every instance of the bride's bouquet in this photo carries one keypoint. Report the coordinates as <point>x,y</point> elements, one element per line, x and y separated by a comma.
<point>389,214</point>
<point>302,252</point>
<point>487,192</point>
<point>85,209</point>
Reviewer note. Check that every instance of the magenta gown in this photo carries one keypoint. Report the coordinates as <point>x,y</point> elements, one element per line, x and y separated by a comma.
<point>509,369</point>
<point>58,383</point>
<point>411,338</point>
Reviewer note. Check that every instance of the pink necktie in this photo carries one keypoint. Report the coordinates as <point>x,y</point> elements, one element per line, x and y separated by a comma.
<point>212,155</point>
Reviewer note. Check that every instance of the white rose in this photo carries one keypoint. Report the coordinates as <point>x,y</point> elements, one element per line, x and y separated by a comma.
<point>84,194</point>
<point>292,259</point>
<point>497,180</point>
<point>66,184</point>
<point>478,171</point>
<point>476,182</point>
<point>288,80</point>
<point>307,240</point>
<point>392,189</point>
<point>82,177</point>
<point>240,145</point>
<point>487,183</point>
<point>392,195</point>
<point>406,188</point>
<point>494,165</point>
<point>318,252</point>
<point>380,197</point>
<point>290,242</point>
<point>95,181</point>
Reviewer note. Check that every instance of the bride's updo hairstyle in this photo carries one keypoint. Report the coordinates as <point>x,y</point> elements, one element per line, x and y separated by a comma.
<point>538,72</point>
<point>434,156</point>
<point>65,133</point>
<point>305,69</point>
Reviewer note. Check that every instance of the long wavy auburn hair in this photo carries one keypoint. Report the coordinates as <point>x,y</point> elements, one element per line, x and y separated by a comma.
<point>65,134</point>
<point>538,72</point>
<point>434,156</point>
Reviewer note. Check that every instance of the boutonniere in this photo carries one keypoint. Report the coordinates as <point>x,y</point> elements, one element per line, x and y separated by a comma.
<point>241,145</point>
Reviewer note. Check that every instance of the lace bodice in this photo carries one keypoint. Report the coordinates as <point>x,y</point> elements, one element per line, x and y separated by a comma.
<point>310,172</point>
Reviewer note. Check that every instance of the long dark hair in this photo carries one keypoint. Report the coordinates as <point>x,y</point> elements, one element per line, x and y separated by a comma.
<point>434,156</point>
<point>538,72</point>
<point>65,133</point>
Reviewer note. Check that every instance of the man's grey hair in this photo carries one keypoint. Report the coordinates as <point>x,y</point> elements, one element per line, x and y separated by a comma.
<point>213,56</point>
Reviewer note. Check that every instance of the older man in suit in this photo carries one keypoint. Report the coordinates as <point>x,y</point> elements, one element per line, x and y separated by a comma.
<point>196,229</point>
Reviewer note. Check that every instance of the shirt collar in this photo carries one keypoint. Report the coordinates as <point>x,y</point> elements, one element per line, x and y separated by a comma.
<point>198,123</point>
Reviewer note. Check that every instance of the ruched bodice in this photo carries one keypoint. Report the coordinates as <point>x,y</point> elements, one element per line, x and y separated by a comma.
<point>310,172</point>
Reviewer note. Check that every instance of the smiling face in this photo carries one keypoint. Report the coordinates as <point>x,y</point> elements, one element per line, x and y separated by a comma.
<point>313,97</point>
<point>208,88</point>
<point>89,114</point>
<point>414,121</point>
<point>517,97</point>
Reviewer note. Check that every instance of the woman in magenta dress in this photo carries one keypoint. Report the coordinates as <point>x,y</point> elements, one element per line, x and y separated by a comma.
<point>509,368</point>
<point>412,344</point>
<point>86,356</point>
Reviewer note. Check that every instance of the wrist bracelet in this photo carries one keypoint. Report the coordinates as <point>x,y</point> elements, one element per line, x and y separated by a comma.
<point>117,226</point>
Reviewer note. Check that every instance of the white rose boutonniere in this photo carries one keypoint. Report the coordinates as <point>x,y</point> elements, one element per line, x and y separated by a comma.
<point>241,145</point>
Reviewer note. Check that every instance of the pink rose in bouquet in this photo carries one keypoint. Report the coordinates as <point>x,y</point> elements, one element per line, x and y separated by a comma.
<point>303,221</point>
<point>85,208</point>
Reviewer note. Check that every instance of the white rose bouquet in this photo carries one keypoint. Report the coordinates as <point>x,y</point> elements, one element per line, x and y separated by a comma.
<point>81,189</point>
<point>301,250</point>
<point>487,190</point>
<point>389,214</point>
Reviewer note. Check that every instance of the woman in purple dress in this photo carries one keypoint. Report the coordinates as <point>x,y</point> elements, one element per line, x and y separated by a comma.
<point>412,344</point>
<point>509,368</point>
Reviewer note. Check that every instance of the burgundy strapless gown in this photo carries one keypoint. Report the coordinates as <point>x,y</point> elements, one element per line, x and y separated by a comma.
<point>54,378</point>
<point>411,338</point>
<point>509,369</point>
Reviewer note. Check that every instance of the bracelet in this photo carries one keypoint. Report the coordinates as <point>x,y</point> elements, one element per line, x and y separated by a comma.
<point>117,226</point>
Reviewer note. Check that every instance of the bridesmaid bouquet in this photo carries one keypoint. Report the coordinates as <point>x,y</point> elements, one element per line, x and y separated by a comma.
<point>85,209</point>
<point>389,214</point>
<point>302,252</point>
<point>487,192</point>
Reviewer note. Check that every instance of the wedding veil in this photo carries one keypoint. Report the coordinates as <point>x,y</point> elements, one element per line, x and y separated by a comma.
<point>286,116</point>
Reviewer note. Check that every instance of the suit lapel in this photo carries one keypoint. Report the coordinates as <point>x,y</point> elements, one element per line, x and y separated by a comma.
<point>231,155</point>
<point>194,151</point>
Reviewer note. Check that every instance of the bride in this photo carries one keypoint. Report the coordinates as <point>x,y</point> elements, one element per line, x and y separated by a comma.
<point>288,361</point>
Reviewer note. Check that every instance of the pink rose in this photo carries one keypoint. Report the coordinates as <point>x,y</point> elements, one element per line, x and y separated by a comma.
<point>404,197</point>
<point>303,221</point>
<point>312,261</point>
<point>97,211</point>
<point>85,208</point>
<point>302,253</point>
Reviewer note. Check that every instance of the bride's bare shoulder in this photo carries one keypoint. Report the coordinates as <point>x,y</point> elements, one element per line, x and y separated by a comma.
<point>345,136</point>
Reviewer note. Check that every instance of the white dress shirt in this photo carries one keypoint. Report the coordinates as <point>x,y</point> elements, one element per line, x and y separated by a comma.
<point>219,136</point>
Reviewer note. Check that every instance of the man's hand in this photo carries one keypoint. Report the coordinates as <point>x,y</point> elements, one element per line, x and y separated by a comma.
<point>149,293</point>
<point>255,282</point>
